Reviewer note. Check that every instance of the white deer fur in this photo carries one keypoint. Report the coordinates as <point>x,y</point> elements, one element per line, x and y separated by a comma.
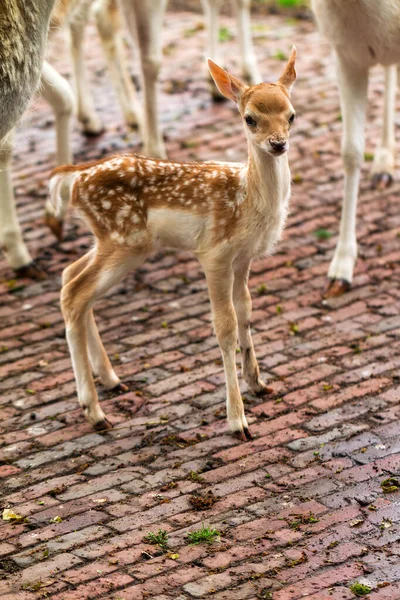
<point>226,214</point>
<point>363,33</point>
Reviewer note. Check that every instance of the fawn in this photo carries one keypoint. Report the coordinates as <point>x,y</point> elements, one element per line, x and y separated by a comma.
<point>225,213</point>
<point>363,34</point>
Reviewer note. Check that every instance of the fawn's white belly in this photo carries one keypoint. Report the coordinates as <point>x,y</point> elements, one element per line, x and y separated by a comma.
<point>363,32</point>
<point>176,228</point>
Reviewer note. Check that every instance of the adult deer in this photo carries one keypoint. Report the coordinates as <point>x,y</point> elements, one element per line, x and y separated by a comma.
<point>225,213</point>
<point>363,33</point>
<point>23,33</point>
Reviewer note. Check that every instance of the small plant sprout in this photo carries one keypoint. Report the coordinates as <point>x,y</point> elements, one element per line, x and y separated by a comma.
<point>157,539</point>
<point>204,535</point>
<point>359,589</point>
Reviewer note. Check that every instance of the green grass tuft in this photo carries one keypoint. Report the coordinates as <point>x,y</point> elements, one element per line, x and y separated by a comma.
<point>359,589</point>
<point>204,535</point>
<point>157,539</point>
<point>322,234</point>
<point>224,35</point>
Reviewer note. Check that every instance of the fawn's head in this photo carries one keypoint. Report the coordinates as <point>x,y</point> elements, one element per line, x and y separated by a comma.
<point>265,108</point>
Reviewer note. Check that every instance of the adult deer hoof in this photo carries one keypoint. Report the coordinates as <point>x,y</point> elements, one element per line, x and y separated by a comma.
<point>263,390</point>
<point>92,127</point>
<point>243,435</point>
<point>336,287</point>
<point>121,387</point>
<point>55,226</point>
<point>247,433</point>
<point>381,181</point>
<point>31,271</point>
<point>103,425</point>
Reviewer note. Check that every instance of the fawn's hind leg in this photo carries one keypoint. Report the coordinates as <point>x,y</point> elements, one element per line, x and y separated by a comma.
<point>99,360</point>
<point>96,274</point>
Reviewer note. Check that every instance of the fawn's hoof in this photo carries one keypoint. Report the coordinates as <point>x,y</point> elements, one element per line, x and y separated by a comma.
<point>103,425</point>
<point>243,435</point>
<point>381,181</point>
<point>336,287</point>
<point>55,226</point>
<point>31,271</point>
<point>121,387</point>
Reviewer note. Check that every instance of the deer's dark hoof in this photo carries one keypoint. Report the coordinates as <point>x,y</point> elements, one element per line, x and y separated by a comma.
<point>121,387</point>
<point>247,433</point>
<point>103,425</point>
<point>336,287</point>
<point>31,271</point>
<point>381,181</point>
<point>263,391</point>
<point>243,436</point>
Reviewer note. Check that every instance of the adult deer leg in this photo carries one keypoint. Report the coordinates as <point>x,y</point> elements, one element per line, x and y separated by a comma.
<point>91,122</point>
<point>108,21</point>
<point>248,58</point>
<point>56,90</point>
<point>383,165</point>
<point>353,84</point>
<point>144,19</point>
<point>211,9</point>
<point>11,240</point>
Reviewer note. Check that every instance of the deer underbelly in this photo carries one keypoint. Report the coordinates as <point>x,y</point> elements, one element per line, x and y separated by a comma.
<point>176,228</point>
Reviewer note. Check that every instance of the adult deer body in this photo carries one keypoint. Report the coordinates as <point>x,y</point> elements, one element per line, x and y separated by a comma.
<point>23,33</point>
<point>225,213</point>
<point>363,33</point>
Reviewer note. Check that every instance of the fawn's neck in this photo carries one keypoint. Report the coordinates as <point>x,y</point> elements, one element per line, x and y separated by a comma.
<point>268,179</point>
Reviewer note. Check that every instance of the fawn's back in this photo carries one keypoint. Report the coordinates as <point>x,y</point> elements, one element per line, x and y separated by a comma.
<point>181,205</point>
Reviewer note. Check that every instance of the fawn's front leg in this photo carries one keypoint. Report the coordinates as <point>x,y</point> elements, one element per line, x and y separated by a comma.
<point>383,165</point>
<point>220,284</point>
<point>242,302</point>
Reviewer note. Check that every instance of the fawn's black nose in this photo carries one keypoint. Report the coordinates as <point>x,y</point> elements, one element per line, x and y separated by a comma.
<point>278,145</point>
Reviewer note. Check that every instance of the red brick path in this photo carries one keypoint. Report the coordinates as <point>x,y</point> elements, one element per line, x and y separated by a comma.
<point>300,509</point>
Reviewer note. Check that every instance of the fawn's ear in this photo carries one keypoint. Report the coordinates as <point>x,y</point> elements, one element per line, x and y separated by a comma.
<point>288,76</point>
<point>229,86</point>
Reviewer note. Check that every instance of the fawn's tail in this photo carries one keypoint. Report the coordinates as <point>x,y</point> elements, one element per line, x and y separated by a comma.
<point>60,186</point>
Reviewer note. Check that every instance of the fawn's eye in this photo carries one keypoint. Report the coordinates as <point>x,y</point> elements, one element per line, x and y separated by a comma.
<point>250,121</point>
<point>291,119</point>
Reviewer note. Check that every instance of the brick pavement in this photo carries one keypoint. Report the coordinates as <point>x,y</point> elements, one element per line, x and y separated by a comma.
<point>300,509</point>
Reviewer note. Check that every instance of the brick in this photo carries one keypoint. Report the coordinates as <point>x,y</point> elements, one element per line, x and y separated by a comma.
<point>324,438</point>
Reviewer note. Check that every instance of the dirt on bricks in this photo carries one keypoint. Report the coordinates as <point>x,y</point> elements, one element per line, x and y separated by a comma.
<point>310,506</point>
